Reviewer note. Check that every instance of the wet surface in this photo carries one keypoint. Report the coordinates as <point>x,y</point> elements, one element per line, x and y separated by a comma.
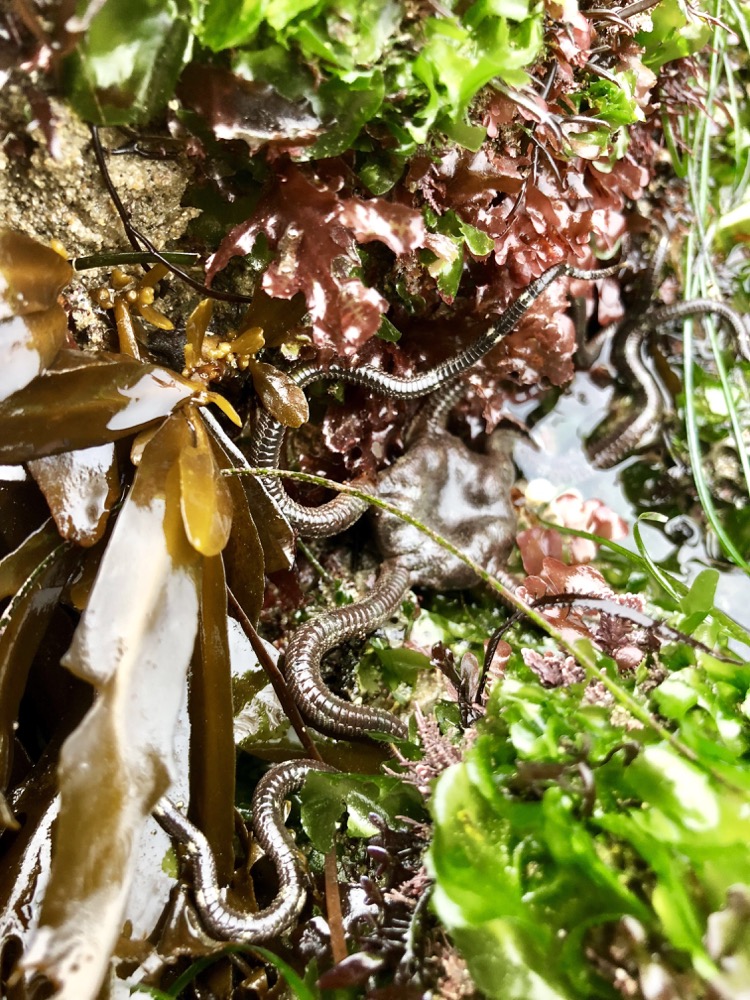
<point>680,544</point>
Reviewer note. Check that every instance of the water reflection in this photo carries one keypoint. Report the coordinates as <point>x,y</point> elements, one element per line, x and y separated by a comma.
<point>680,544</point>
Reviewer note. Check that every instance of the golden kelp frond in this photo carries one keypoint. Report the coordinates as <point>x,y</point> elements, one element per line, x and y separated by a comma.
<point>145,533</point>
<point>86,400</point>
<point>31,275</point>
<point>33,326</point>
<point>134,644</point>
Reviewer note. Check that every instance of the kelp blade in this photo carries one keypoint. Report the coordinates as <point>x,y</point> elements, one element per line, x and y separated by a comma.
<point>22,628</point>
<point>282,397</point>
<point>31,275</point>
<point>28,344</point>
<point>81,403</point>
<point>205,498</point>
<point>212,753</point>
<point>134,643</point>
<point>80,488</point>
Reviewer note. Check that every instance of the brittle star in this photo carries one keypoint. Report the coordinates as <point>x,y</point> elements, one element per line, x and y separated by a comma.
<point>340,513</point>
<point>466,495</point>
<point>460,494</point>
<point>467,498</point>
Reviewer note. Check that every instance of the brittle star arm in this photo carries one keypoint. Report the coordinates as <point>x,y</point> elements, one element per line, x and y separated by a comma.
<point>311,641</point>
<point>341,512</point>
<point>647,409</point>
<point>224,921</point>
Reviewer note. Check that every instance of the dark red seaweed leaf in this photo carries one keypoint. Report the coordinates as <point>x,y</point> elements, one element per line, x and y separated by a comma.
<point>315,234</point>
<point>235,108</point>
<point>316,256</point>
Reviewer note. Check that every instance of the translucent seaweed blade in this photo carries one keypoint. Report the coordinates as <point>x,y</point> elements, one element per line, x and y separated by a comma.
<point>134,644</point>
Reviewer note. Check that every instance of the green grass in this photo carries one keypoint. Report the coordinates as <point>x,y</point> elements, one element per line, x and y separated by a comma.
<point>710,195</point>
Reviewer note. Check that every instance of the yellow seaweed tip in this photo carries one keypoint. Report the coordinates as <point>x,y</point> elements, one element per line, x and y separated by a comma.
<point>224,405</point>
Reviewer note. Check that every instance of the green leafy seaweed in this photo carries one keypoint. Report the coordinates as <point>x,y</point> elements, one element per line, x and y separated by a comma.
<point>125,67</point>
<point>326,796</point>
<point>564,821</point>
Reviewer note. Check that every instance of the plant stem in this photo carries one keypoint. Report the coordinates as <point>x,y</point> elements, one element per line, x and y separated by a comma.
<point>581,650</point>
<point>115,259</point>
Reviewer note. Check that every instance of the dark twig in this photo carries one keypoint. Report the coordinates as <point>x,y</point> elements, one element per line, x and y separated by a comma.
<point>618,16</point>
<point>637,8</point>
<point>493,643</point>
<point>532,172</point>
<point>130,231</point>
<point>603,606</point>
<point>30,21</point>
<point>139,242</point>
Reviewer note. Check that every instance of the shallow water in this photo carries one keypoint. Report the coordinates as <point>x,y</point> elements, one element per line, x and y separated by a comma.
<point>681,544</point>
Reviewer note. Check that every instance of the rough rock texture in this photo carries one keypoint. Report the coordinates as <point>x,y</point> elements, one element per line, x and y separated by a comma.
<point>62,196</point>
